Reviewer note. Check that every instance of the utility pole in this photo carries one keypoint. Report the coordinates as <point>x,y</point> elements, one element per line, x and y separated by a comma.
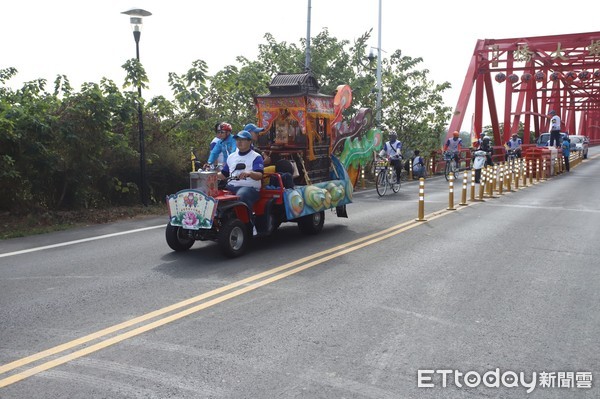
<point>307,60</point>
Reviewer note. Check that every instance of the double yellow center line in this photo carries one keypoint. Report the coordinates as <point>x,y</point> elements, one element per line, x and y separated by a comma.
<point>220,295</point>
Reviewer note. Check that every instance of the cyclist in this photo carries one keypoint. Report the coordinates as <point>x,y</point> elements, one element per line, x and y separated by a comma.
<point>225,146</point>
<point>477,143</point>
<point>514,144</point>
<point>418,165</point>
<point>454,145</point>
<point>486,145</point>
<point>391,151</point>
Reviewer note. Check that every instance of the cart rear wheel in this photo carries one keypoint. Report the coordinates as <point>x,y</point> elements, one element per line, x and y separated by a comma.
<point>312,224</point>
<point>178,239</point>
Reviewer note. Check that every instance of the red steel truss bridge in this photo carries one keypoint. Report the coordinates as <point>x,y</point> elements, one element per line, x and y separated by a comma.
<point>536,75</point>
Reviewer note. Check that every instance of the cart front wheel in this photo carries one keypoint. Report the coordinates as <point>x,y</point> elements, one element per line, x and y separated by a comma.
<point>178,238</point>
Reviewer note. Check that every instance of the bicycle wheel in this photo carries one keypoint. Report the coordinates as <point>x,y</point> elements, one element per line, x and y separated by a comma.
<point>381,182</point>
<point>454,168</point>
<point>447,171</point>
<point>394,181</point>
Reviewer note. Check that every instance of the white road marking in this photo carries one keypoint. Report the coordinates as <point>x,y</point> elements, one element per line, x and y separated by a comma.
<point>64,244</point>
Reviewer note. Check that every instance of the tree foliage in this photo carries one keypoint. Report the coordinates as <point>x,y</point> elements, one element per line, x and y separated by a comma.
<point>70,149</point>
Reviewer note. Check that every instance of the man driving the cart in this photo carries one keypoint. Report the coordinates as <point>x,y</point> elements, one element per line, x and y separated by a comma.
<point>247,181</point>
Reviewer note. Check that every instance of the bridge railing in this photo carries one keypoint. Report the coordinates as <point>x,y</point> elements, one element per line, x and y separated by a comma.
<point>438,164</point>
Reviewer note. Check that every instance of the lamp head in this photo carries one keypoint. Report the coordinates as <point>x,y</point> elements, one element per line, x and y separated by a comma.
<point>135,17</point>
<point>372,57</point>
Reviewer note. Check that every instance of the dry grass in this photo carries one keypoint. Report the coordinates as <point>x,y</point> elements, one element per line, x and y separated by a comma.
<point>21,225</point>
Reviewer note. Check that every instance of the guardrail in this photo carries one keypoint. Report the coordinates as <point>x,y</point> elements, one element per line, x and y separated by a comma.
<point>536,166</point>
<point>435,163</point>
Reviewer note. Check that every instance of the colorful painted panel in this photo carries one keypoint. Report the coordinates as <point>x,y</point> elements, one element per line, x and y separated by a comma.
<point>280,102</point>
<point>305,200</point>
<point>191,209</point>
<point>320,105</point>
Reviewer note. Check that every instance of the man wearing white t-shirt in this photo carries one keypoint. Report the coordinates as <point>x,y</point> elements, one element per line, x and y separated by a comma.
<point>248,182</point>
<point>554,129</point>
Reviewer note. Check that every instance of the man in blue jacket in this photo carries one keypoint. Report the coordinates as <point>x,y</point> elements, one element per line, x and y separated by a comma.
<point>225,146</point>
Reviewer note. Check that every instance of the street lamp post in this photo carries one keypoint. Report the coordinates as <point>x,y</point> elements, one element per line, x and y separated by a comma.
<point>378,114</point>
<point>135,18</point>
<point>372,57</point>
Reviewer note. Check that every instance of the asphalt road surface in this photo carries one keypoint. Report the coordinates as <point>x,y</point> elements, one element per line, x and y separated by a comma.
<point>491,300</point>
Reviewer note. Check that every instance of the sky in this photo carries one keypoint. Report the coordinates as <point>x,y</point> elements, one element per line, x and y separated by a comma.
<point>91,39</point>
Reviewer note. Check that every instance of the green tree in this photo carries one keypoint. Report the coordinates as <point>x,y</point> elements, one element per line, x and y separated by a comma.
<point>413,104</point>
<point>69,149</point>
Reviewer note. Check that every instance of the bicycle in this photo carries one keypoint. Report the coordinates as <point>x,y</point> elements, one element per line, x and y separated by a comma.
<point>386,176</point>
<point>451,166</point>
<point>511,157</point>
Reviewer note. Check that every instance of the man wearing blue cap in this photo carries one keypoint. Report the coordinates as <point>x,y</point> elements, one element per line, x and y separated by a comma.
<point>255,130</point>
<point>248,181</point>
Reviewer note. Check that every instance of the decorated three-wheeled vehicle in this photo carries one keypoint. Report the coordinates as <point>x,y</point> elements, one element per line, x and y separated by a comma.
<point>302,128</point>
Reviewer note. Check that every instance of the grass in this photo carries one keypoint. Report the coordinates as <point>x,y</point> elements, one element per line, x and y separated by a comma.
<point>40,222</point>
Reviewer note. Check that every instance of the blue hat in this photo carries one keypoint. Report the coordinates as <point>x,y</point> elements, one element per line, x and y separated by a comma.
<point>243,135</point>
<point>252,128</point>
<point>552,112</point>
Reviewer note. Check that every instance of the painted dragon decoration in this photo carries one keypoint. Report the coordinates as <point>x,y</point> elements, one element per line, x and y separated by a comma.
<point>360,139</point>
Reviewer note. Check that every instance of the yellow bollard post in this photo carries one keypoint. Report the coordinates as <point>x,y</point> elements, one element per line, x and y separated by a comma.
<point>481,184</point>
<point>509,178</point>
<point>362,177</point>
<point>410,171</point>
<point>544,169</point>
<point>463,198</point>
<point>472,198</point>
<point>489,179</point>
<point>451,193</point>
<point>506,174</point>
<point>524,166</point>
<point>494,180</point>
<point>516,175</point>
<point>430,166</point>
<point>500,179</point>
<point>560,164</point>
<point>537,170</point>
<point>531,172</point>
<point>421,215</point>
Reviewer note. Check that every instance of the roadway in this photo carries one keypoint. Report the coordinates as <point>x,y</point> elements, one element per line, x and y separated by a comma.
<point>509,284</point>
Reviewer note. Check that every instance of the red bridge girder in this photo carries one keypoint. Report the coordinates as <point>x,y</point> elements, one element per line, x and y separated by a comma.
<point>560,72</point>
